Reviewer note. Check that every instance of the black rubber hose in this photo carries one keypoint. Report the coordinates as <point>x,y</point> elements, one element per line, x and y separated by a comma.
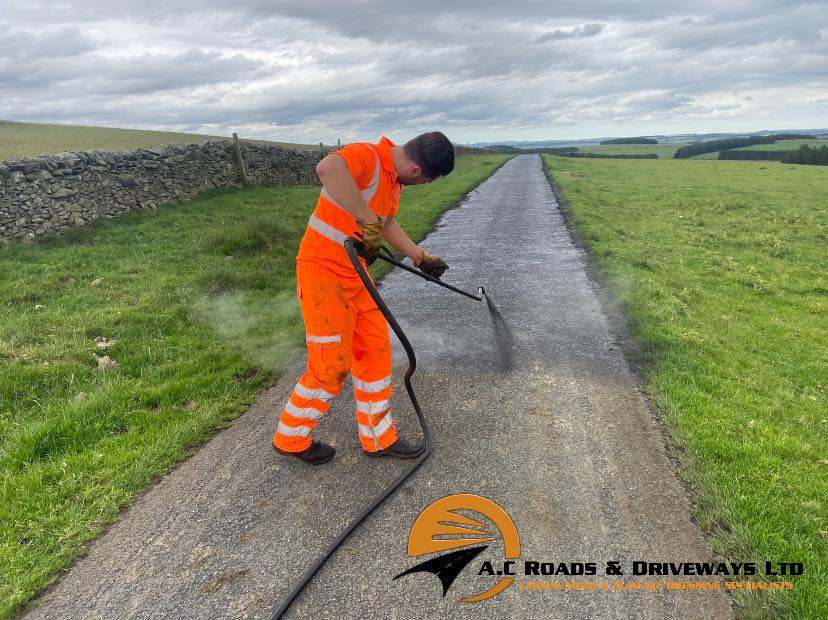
<point>350,244</point>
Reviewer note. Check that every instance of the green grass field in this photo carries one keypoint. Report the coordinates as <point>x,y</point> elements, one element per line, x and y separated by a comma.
<point>664,151</point>
<point>26,139</point>
<point>198,303</point>
<point>723,271</point>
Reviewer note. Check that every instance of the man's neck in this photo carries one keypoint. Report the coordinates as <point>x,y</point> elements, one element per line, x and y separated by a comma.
<point>399,157</point>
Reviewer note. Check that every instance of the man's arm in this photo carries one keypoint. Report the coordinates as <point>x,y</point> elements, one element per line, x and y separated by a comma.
<point>428,263</point>
<point>337,180</point>
<point>396,236</point>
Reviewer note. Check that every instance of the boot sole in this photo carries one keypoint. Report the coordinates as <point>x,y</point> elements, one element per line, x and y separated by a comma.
<point>396,455</point>
<point>293,454</point>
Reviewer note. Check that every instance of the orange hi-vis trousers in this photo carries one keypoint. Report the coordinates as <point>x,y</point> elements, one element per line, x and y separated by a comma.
<point>345,332</point>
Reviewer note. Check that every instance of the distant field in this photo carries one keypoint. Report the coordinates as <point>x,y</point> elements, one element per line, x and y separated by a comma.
<point>784,145</point>
<point>781,145</point>
<point>713,155</point>
<point>27,139</point>
<point>664,151</point>
<point>721,267</point>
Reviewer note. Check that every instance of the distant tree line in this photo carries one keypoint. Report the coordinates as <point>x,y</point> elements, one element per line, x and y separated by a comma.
<point>505,149</point>
<point>638,140</point>
<point>719,145</point>
<point>612,155</point>
<point>815,156</point>
<point>567,151</point>
<point>462,149</point>
<point>755,155</point>
<point>791,136</point>
<point>511,150</point>
<point>734,143</point>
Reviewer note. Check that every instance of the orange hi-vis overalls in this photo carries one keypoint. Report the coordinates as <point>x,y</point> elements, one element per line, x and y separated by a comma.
<point>345,331</point>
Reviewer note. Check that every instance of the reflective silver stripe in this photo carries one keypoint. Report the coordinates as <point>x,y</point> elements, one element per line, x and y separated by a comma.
<point>324,193</point>
<point>369,408</point>
<point>293,431</point>
<point>324,338</point>
<point>367,194</point>
<point>326,230</point>
<point>373,186</point>
<point>371,387</point>
<point>379,429</point>
<point>303,412</point>
<point>317,393</point>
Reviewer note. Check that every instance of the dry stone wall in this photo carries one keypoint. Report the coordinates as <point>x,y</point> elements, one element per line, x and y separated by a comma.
<point>49,194</point>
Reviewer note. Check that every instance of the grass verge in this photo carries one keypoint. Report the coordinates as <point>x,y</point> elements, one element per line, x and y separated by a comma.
<point>195,303</point>
<point>721,268</point>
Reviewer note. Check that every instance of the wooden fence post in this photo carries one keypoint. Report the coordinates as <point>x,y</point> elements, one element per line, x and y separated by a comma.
<point>240,159</point>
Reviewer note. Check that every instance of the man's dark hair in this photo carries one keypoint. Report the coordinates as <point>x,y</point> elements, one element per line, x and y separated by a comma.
<point>433,152</point>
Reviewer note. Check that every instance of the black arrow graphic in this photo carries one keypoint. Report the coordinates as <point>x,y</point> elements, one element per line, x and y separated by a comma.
<point>446,566</point>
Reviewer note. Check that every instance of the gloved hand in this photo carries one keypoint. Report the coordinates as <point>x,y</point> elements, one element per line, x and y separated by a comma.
<point>371,240</point>
<point>431,265</point>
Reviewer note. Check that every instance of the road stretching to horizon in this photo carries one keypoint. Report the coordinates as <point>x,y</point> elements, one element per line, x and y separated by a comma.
<point>541,414</point>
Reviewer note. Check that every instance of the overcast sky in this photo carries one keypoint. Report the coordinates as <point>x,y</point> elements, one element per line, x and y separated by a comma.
<point>309,71</point>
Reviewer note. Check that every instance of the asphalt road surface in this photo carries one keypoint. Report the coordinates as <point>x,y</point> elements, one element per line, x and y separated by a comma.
<point>539,413</point>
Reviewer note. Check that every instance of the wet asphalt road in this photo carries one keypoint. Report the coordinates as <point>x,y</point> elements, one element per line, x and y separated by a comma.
<point>539,413</point>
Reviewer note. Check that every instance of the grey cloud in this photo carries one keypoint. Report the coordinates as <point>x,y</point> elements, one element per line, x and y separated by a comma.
<point>152,73</point>
<point>384,19</point>
<point>796,24</point>
<point>353,69</point>
<point>587,30</point>
<point>24,45</point>
<point>143,73</point>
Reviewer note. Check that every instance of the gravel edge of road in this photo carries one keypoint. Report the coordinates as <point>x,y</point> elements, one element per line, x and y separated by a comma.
<point>623,330</point>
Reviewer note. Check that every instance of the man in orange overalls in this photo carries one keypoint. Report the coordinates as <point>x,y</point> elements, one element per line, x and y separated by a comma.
<point>345,331</point>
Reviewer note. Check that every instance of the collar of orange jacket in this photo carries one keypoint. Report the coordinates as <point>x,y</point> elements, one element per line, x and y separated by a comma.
<point>384,148</point>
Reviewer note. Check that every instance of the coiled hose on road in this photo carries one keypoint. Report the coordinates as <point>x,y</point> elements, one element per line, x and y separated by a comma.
<point>351,246</point>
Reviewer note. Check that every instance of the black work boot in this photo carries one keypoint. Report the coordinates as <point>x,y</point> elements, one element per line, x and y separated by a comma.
<point>400,449</point>
<point>316,454</point>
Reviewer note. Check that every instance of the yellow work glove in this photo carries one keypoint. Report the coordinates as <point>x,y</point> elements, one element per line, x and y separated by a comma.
<point>371,240</point>
<point>431,265</point>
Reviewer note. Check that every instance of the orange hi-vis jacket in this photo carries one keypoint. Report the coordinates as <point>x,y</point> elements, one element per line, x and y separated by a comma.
<point>372,168</point>
<point>345,331</point>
